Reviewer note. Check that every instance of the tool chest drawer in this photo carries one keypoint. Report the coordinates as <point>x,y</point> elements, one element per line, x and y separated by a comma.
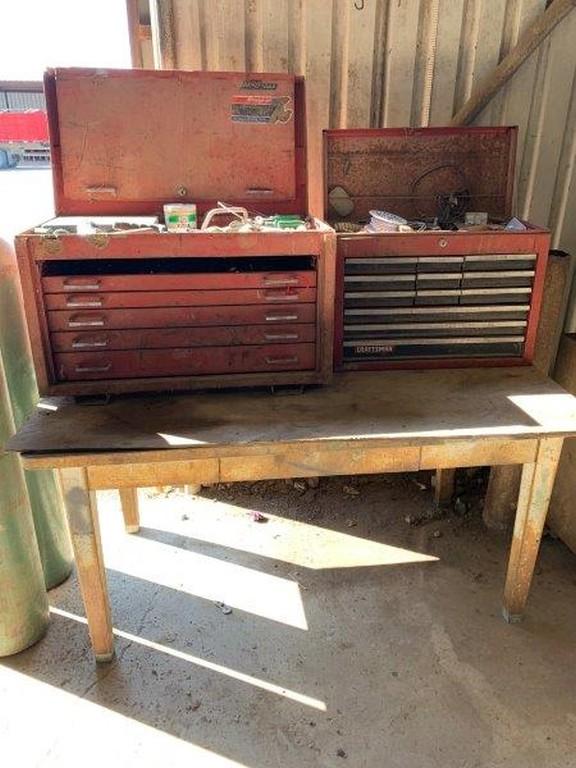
<point>466,306</point>
<point>76,366</point>
<point>120,300</point>
<point>163,338</point>
<point>134,319</point>
<point>176,282</point>
<point>179,317</point>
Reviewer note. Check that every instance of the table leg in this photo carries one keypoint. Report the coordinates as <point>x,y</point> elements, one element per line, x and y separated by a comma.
<point>129,503</point>
<point>444,487</point>
<point>82,514</point>
<point>535,490</point>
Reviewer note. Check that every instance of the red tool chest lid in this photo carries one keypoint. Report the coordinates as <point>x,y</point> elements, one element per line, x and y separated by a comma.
<point>404,170</point>
<point>128,141</point>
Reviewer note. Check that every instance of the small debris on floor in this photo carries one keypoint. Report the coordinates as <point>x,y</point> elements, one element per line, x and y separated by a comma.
<point>350,490</point>
<point>419,484</point>
<point>341,753</point>
<point>300,485</point>
<point>437,534</point>
<point>410,519</point>
<point>258,517</point>
<point>226,610</point>
<point>185,517</point>
<point>351,523</point>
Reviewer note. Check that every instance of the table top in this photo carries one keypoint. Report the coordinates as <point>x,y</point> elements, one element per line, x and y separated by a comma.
<point>379,408</point>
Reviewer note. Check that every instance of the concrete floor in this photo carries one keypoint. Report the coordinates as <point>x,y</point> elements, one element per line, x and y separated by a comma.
<point>362,633</point>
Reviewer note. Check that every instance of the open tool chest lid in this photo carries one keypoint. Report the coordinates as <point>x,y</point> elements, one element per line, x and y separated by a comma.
<point>128,141</point>
<point>406,170</point>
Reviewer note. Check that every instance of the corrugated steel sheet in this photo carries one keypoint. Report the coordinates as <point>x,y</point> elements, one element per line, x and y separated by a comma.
<point>400,62</point>
<point>22,100</point>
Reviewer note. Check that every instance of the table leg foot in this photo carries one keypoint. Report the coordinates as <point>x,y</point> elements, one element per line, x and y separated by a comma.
<point>104,658</point>
<point>511,618</point>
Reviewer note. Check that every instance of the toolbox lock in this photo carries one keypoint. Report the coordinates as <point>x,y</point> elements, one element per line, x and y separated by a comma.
<point>181,191</point>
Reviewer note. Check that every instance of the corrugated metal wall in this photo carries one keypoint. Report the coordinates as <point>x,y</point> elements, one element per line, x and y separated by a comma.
<point>400,62</point>
<point>21,100</point>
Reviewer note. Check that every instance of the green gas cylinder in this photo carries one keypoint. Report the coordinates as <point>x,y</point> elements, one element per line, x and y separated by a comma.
<point>43,489</point>
<point>23,598</point>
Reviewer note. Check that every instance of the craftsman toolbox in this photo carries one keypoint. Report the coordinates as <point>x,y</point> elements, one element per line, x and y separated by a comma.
<point>115,300</point>
<point>432,269</point>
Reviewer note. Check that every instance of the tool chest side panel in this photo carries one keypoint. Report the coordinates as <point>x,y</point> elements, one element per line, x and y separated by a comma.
<point>36,318</point>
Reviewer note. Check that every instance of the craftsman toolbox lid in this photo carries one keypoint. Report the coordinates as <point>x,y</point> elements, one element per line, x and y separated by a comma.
<point>406,170</point>
<point>128,141</point>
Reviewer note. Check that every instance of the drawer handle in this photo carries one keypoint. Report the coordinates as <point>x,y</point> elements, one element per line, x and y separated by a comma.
<point>442,242</point>
<point>79,344</point>
<point>74,286</point>
<point>281,283</point>
<point>88,303</point>
<point>281,360</point>
<point>282,318</point>
<point>91,322</point>
<point>281,336</point>
<point>281,296</point>
<point>93,368</point>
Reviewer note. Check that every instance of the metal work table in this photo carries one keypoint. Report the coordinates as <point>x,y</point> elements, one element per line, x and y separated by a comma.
<point>400,421</point>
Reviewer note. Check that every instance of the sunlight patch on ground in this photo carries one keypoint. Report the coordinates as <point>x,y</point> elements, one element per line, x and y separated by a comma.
<point>264,685</point>
<point>291,541</point>
<point>246,589</point>
<point>42,725</point>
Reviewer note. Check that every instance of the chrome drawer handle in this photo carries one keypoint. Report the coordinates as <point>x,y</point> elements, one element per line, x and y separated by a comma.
<point>93,368</point>
<point>89,323</point>
<point>280,360</point>
<point>283,297</point>
<point>281,336</point>
<point>280,283</point>
<point>282,318</point>
<point>80,286</point>
<point>78,344</point>
<point>93,303</point>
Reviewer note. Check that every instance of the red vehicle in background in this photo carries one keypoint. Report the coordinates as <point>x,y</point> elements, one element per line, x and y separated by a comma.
<point>23,138</point>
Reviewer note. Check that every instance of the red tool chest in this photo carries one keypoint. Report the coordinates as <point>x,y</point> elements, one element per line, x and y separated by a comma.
<point>437,297</point>
<point>143,309</point>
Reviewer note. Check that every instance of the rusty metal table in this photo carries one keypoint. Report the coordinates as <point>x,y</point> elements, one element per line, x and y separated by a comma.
<point>400,421</point>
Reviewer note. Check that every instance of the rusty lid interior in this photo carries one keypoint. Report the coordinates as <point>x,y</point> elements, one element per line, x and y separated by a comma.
<point>128,141</point>
<point>406,170</point>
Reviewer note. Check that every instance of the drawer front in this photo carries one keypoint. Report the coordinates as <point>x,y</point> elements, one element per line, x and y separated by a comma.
<point>177,282</point>
<point>122,300</point>
<point>431,307</point>
<point>170,338</point>
<point>181,317</point>
<point>89,366</point>
<point>435,244</point>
